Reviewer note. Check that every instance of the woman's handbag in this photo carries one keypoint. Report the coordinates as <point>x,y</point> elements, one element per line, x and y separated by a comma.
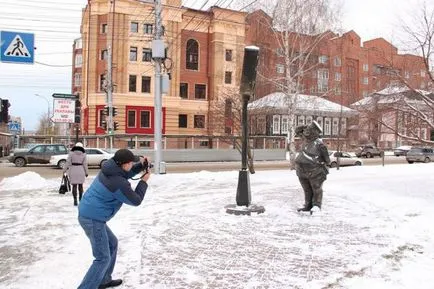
<point>65,185</point>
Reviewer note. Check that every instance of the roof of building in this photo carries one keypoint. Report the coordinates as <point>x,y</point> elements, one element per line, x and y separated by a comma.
<point>305,105</point>
<point>394,94</point>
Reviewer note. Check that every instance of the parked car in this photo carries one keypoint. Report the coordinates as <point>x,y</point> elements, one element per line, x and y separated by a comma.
<point>401,151</point>
<point>95,157</point>
<point>39,154</point>
<point>419,154</point>
<point>345,159</point>
<point>368,151</point>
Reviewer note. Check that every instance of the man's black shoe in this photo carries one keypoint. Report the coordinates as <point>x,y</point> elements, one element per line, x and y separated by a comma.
<point>112,283</point>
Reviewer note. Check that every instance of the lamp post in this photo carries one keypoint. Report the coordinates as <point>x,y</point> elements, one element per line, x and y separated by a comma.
<point>48,112</point>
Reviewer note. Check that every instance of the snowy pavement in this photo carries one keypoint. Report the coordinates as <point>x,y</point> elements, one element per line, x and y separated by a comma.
<point>375,231</point>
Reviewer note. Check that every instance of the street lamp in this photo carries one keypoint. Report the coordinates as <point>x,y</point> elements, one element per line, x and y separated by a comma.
<point>48,112</point>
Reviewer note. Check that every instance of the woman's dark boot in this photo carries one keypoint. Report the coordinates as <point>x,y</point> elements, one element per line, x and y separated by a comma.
<point>74,194</point>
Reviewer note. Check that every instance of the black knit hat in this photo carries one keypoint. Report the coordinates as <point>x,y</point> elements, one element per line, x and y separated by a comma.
<point>124,156</point>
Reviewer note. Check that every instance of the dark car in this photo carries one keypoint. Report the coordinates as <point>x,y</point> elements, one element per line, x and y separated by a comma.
<point>401,151</point>
<point>39,154</point>
<point>367,151</point>
<point>419,154</point>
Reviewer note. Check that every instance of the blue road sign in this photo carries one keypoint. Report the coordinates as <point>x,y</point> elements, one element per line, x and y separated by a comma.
<point>14,126</point>
<point>17,47</point>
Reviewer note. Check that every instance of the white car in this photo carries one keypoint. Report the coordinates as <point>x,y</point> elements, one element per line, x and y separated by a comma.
<point>95,157</point>
<point>345,159</point>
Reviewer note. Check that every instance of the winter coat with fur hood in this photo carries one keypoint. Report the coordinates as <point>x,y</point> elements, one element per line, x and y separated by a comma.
<point>76,165</point>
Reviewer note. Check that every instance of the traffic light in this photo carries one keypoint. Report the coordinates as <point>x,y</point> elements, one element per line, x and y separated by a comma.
<point>114,111</point>
<point>77,116</point>
<point>106,110</point>
<point>4,115</point>
<point>104,124</point>
<point>115,125</point>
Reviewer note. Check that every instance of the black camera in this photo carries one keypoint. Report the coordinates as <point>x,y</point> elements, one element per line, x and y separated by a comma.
<point>147,165</point>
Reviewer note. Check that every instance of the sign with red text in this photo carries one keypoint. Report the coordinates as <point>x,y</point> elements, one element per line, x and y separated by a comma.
<point>64,110</point>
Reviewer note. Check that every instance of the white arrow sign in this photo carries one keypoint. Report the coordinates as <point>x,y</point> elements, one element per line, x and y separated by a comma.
<point>64,110</point>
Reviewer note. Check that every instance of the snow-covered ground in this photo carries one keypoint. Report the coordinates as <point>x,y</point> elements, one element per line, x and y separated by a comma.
<point>375,231</point>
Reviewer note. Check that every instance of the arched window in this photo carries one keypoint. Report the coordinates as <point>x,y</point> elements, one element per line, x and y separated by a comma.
<point>192,59</point>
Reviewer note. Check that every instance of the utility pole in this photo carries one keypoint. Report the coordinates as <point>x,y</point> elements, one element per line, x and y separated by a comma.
<point>110,95</point>
<point>158,55</point>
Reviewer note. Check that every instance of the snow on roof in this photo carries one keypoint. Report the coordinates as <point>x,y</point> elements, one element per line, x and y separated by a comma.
<point>304,104</point>
<point>393,94</point>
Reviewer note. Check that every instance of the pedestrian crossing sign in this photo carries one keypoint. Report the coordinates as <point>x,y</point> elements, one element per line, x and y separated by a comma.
<point>17,47</point>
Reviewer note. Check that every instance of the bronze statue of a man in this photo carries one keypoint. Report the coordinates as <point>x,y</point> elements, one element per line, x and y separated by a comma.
<point>311,165</point>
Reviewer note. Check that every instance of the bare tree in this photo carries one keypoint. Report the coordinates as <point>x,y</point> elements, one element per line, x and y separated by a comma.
<point>225,120</point>
<point>298,27</point>
<point>408,110</point>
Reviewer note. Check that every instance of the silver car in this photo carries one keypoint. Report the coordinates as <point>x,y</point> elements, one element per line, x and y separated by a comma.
<point>419,154</point>
<point>95,157</point>
<point>345,159</point>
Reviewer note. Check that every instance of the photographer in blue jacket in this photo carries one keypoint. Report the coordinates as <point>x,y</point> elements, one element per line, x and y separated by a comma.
<point>100,203</point>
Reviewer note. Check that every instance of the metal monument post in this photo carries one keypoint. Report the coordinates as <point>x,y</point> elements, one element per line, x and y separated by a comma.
<point>247,89</point>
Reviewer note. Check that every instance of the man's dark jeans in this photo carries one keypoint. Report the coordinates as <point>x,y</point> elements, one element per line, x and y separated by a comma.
<point>104,248</point>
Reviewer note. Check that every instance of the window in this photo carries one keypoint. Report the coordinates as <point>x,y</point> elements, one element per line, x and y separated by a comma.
<point>104,54</point>
<point>323,59</point>
<point>276,124</point>
<point>284,124</point>
<point>319,120</point>
<point>327,128</point>
<point>407,74</point>
<point>145,119</point>
<point>423,133</point>
<point>102,82</point>
<point>335,127</point>
<point>280,52</point>
<point>200,91</point>
<point>280,68</point>
<point>146,55</point>
<point>261,125</point>
<point>365,93</point>
<point>192,51</point>
<point>199,121</point>
<point>228,55</point>
<point>78,60</point>
<point>337,61</point>
<point>148,28</point>
<point>422,73</point>
<point>365,80</point>
<point>323,78</point>
<point>343,126</point>
<point>77,79</point>
<point>365,67</point>
<point>131,121</point>
<point>338,90</point>
<point>338,76</point>
<point>133,53</point>
<point>308,120</point>
<point>146,84</point>
<point>134,28</point>
<point>132,83</point>
<point>228,77</point>
<point>104,28</point>
<point>301,119</point>
<point>182,120</point>
<point>203,143</point>
<point>183,90</point>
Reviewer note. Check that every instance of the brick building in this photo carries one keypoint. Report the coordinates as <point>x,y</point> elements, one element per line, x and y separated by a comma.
<point>205,53</point>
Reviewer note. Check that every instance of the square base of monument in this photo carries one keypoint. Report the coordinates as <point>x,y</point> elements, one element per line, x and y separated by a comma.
<point>244,210</point>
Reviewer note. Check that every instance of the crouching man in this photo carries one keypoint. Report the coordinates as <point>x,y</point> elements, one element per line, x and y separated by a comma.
<point>100,203</point>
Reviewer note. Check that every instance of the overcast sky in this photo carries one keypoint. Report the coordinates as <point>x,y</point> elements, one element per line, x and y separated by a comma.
<point>56,26</point>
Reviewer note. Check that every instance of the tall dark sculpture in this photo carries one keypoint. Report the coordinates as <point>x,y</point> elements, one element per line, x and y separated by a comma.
<point>311,165</point>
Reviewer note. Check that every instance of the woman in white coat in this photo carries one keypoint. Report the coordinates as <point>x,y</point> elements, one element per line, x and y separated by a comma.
<point>76,168</point>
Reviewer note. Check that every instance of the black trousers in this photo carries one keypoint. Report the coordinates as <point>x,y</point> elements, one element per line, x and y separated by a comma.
<point>80,191</point>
